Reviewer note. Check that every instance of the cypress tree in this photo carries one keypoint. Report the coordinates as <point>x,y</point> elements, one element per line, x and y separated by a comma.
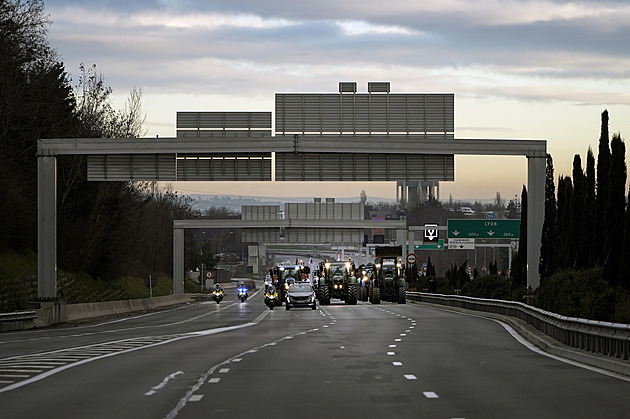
<point>624,267</point>
<point>589,210</point>
<point>519,264</point>
<point>565,191</point>
<point>615,210</point>
<point>577,215</point>
<point>548,246</point>
<point>603,183</point>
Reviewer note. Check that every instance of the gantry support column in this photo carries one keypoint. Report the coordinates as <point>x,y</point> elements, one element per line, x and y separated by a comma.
<point>178,261</point>
<point>535,216</point>
<point>47,227</point>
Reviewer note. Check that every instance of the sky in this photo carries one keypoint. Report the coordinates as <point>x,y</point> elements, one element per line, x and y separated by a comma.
<point>539,69</point>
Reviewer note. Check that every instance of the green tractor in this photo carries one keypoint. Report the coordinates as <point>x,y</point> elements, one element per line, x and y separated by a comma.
<point>388,279</point>
<point>337,280</point>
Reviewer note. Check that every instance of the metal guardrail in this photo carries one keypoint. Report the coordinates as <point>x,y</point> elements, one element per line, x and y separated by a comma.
<point>605,338</point>
<point>16,320</point>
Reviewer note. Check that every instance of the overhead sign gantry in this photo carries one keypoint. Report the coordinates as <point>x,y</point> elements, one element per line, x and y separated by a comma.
<point>347,136</point>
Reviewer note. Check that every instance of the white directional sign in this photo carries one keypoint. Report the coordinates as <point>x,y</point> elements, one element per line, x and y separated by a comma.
<point>461,244</point>
<point>431,233</point>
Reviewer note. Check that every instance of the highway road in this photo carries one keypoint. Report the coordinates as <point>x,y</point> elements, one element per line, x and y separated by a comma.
<point>241,360</point>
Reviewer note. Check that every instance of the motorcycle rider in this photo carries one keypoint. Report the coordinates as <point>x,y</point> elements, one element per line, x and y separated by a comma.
<point>271,290</point>
<point>242,288</point>
<point>217,287</point>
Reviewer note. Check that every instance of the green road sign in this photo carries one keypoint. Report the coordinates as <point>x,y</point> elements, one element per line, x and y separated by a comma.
<point>435,246</point>
<point>484,229</point>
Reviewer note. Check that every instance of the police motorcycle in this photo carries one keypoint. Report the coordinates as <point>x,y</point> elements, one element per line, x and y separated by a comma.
<point>217,293</point>
<point>271,297</point>
<point>242,292</point>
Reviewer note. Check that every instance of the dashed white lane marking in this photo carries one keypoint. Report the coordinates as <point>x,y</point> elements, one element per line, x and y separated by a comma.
<point>163,383</point>
<point>396,363</point>
<point>430,395</point>
<point>392,346</point>
<point>195,397</point>
<point>223,370</point>
<point>391,353</point>
<point>397,340</point>
<point>407,331</point>
<point>237,359</point>
<point>410,377</point>
<point>202,380</point>
<point>214,380</point>
<point>403,334</point>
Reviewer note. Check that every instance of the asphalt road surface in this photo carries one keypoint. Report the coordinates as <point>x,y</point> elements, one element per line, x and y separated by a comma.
<point>241,360</point>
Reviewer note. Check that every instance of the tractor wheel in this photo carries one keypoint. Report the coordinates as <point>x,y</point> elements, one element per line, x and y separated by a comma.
<point>352,295</point>
<point>402,296</point>
<point>324,297</point>
<point>376,295</point>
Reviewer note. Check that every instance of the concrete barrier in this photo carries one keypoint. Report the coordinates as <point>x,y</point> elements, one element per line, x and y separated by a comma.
<point>17,320</point>
<point>91,310</point>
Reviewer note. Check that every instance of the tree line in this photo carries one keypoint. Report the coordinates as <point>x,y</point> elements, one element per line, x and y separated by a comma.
<point>106,229</point>
<point>585,249</point>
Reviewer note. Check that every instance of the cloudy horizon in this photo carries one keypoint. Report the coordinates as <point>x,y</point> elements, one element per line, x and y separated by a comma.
<point>518,69</point>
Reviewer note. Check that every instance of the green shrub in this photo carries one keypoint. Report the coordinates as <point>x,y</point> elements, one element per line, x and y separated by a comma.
<point>581,294</point>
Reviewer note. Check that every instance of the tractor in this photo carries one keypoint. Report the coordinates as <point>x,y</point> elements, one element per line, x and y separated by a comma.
<point>388,277</point>
<point>337,280</point>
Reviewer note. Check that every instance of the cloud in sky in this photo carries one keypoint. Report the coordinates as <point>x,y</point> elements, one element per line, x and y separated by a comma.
<point>534,57</point>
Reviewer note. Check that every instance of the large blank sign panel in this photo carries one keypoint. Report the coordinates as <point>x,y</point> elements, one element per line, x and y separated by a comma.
<point>411,114</point>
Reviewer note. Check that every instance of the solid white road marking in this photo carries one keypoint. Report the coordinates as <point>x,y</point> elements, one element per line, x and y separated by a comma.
<point>237,359</point>
<point>430,395</point>
<point>533,348</point>
<point>410,377</point>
